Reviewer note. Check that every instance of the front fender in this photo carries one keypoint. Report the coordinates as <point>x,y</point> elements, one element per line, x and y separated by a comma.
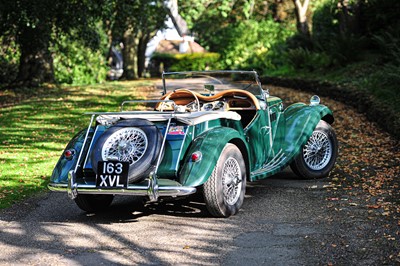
<point>210,144</point>
<point>301,120</point>
<point>64,165</point>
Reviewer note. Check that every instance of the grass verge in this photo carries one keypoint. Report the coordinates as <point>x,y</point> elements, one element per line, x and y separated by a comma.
<point>36,124</point>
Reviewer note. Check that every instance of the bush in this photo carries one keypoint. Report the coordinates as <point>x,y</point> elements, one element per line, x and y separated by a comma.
<point>254,44</point>
<point>389,43</point>
<point>182,62</point>
<point>302,58</point>
<point>76,64</point>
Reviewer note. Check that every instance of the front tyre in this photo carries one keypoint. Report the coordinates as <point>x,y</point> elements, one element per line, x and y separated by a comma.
<point>225,189</point>
<point>318,155</point>
<point>93,203</point>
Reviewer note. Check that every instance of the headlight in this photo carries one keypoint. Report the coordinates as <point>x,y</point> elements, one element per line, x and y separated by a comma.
<point>315,100</point>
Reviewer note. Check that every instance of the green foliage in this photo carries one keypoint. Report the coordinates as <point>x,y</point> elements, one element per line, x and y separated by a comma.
<point>77,64</point>
<point>251,39</point>
<point>328,46</point>
<point>9,60</point>
<point>140,16</point>
<point>243,32</point>
<point>380,15</point>
<point>252,44</point>
<point>183,62</point>
<point>302,58</point>
<point>325,24</point>
<point>389,43</point>
<point>207,16</point>
<point>345,48</point>
<point>34,24</point>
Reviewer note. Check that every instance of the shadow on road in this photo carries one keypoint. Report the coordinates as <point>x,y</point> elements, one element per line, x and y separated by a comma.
<point>51,229</point>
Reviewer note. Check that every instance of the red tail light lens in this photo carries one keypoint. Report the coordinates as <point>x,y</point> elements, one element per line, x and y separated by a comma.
<point>69,154</point>
<point>196,156</point>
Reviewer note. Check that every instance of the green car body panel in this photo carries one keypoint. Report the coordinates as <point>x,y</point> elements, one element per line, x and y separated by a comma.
<point>292,130</point>
<point>268,136</point>
<point>210,143</point>
<point>64,165</point>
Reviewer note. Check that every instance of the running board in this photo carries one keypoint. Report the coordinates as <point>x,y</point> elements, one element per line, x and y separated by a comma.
<point>271,166</point>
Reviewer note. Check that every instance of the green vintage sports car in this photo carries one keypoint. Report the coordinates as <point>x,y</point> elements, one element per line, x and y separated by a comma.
<point>211,132</point>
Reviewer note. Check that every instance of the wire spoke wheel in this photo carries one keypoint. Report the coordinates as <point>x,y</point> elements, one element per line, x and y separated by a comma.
<point>231,180</point>
<point>225,188</point>
<point>317,157</point>
<point>125,145</point>
<point>318,151</point>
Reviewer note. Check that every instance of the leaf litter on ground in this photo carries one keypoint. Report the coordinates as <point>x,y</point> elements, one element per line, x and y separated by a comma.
<point>364,187</point>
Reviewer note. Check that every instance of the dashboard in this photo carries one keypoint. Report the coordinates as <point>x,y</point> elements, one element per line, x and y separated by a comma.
<point>207,106</point>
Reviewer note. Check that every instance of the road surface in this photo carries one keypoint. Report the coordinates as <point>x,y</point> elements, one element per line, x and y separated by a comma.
<point>279,217</point>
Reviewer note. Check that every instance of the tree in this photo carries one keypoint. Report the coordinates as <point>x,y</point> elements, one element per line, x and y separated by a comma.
<point>241,31</point>
<point>209,19</point>
<point>34,26</point>
<point>135,23</point>
<point>301,17</point>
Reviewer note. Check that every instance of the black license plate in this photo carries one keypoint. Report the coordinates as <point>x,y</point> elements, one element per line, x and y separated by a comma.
<point>112,174</point>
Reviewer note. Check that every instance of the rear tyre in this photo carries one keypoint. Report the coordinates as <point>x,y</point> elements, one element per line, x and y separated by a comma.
<point>225,189</point>
<point>318,155</point>
<point>93,203</point>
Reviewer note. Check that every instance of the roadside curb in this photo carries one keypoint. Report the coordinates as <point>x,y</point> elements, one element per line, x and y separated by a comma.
<point>375,111</point>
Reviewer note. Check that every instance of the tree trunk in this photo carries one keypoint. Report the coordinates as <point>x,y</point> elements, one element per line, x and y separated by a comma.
<point>142,54</point>
<point>301,17</point>
<point>36,62</point>
<point>130,55</point>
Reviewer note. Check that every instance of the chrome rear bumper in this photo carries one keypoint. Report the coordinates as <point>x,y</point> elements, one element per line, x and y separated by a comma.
<point>152,187</point>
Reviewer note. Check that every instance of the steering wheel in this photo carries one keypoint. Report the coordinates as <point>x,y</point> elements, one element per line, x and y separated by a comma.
<point>191,92</point>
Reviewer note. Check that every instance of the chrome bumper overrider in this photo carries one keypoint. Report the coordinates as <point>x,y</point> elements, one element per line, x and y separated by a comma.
<point>152,189</point>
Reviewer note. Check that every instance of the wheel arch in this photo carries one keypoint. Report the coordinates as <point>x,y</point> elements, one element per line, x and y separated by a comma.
<point>64,165</point>
<point>328,118</point>
<point>244,150</point>
<point>301,120</point>
<point>210,144</point>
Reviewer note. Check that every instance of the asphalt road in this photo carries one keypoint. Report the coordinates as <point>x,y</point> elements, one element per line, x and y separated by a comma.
<point>279,217</point>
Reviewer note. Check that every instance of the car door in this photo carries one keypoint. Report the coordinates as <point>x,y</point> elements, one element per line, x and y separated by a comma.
<point>278,124</point>
<point>258,135</point>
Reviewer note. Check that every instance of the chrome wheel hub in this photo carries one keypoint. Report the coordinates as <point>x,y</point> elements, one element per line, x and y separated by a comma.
<point>318,151</point>
<point>231,180</point>
<point>125,145</point>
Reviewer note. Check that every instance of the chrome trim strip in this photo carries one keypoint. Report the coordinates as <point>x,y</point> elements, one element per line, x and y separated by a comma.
<point>144,101</point>
<point>134,190</point>
<point>78,162</point>
<point>90,148</point>
<point>72,186</point>
<point>152,190</point>
<point>163,145</point>
<point>273,163</point>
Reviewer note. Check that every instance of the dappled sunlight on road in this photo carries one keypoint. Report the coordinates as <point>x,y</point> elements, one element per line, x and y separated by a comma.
<point>120,235</point>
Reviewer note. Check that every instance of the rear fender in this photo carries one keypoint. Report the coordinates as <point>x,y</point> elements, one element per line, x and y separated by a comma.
<point>64,165</point>
<point>301,120</point>
<point>210,144</point>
